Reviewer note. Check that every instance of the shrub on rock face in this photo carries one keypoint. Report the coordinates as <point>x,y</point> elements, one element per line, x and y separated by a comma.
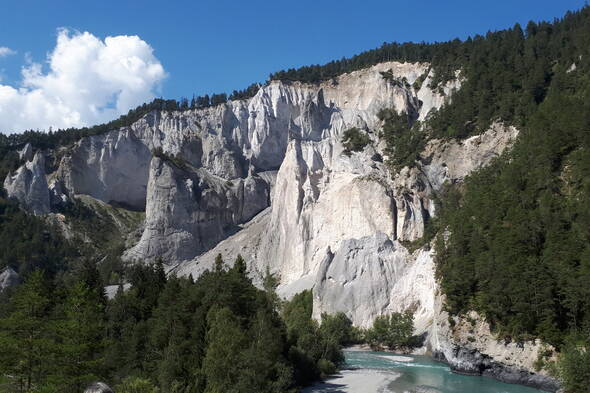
<point>354,139</point>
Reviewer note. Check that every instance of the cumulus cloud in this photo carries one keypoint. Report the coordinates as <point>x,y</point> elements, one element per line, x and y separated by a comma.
<point>88,81</point>
<point>4,51</point>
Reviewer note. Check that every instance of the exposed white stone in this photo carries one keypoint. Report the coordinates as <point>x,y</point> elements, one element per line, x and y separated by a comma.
<point>28,185</point>
<point>336,222</point>
<point>473,332</point>
<point>188,210</point>
<point>434,98</point>
<point>453,160</point>
<point>98,387</point>
<point>26,153</point>
<point>8,278</point>
<point>112,290</point>
<point>112,168</point>
<point>572,68</point>
<point>372,276</point>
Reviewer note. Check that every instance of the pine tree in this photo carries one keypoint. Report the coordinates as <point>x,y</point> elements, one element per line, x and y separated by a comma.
<point>226,342</point>
<point>218,263</point>
<point>171,340</point>
<point>266,369</point>
<point>25,346</point>
<point>79,334</point>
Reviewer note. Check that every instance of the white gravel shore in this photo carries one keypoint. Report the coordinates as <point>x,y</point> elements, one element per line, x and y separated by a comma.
<point>355,381</point>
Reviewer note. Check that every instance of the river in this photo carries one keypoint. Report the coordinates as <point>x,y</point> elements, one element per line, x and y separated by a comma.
<point>379,372</point>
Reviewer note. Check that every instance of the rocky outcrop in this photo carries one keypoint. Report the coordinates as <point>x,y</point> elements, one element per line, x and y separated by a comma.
<point>469,347</point>
<point>8,279</point>
<point>112,168</point>
<point>228,141</point>
<point>112,290</point>
<point>472,362</point>
<point>454,160</point>
<point>26,153</point>
<point>29,186</point>
<point>98,387</point>
<point>189,210</point>
<point>338,224</point>
<point>372,276</point>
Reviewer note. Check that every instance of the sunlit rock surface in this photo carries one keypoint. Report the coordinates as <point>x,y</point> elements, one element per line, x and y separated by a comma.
<point>268,178</point>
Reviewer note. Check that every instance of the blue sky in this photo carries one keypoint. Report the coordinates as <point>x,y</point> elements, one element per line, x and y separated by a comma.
<point>221,45</point>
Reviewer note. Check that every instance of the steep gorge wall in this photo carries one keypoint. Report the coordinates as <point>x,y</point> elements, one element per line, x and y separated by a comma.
<point>268,178</point>
<point>229,142</point>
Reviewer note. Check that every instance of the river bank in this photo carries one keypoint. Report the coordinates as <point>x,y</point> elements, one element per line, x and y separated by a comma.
<point>355,381</point>
<point>383,372</point>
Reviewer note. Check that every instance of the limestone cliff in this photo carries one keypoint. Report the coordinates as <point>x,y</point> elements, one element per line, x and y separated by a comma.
<point>268,178</point>
<point>29,184</point>
<point>189,210</point>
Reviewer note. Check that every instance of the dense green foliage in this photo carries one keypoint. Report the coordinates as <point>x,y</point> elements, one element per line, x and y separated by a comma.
<point>574,367</point>
<point>504,75</point>
<point>51,338</point>
<point>24,337</point>
<point>518,246</point>
<point>393,331</point>
<point>314,349</point>
<point>136,385</point>
<point>218,334</point>
<point>435,53</point>
<point>28,243</point>
<point>354,139</point>
<point>403,138</point>
<point>248,92</point>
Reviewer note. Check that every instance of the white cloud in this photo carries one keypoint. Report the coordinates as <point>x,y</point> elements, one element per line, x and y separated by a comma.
<point>89,81</point>
<point>4,51</point>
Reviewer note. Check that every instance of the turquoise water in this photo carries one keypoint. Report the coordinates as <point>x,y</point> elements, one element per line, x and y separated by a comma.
<point>422,374</point>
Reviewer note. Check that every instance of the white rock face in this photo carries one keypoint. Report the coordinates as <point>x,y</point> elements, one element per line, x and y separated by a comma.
<point>335,225</point>
<point>26,154</point>
<point>316,205</point>
<point>8,278</point>
<point>98,387</point>
<point>29,185</point>
<point>189,210</point>
<point>112,168</point>
<point>455,160</point>
<point>336,221</point>
<point>477,336</point>
<point>112,290</point>
<point>228,141</point>
<point>372,276</point>
<point>333,222</point>
<point>434,99</point>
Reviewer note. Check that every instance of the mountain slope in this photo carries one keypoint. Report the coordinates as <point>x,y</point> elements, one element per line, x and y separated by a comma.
<point>340,182</point>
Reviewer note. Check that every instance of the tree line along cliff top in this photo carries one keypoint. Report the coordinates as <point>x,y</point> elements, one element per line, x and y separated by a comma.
<point>506,75</point>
